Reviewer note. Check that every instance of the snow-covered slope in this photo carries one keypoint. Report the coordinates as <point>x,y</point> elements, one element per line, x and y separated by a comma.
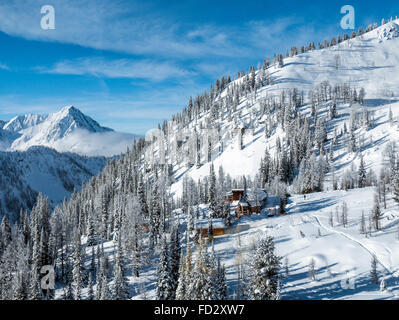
<point>369,61</point>
<point>66,130</point>
<point>23,174</point>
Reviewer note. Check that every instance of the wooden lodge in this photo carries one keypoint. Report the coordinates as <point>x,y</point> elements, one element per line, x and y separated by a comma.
<point>203,225</point>
<point>245,204</point>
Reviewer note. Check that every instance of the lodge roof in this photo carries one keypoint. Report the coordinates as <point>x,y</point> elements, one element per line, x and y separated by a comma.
<point>216,223</point>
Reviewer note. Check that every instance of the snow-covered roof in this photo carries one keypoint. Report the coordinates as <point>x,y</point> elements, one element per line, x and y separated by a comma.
<point>204,223</point>
<point>235,203</point>
<point>258,194</point>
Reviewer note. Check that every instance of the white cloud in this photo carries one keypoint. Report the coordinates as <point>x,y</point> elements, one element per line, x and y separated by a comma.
<point>109,25</point>
<point>121,26</point>
<point>121,68</point>
<point>105,144</point>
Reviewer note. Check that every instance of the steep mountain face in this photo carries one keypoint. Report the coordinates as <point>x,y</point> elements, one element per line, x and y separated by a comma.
<point>23,174</point>
<point>316,79</point>
<point>66,130</point>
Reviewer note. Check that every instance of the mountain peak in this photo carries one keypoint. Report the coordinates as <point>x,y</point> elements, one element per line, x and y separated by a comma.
<point>69,108</point>
<point>71,117</point>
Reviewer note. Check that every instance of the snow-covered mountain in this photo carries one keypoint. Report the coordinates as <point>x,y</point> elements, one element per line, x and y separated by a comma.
<point>66,130</point>
<point>369,61</point>
<point>23,174</point>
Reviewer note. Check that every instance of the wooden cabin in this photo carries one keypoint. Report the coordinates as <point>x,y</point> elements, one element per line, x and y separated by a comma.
<point>203,225</point>
<point>247,204</point>
<point>242,209</point>
<point>234,195</point>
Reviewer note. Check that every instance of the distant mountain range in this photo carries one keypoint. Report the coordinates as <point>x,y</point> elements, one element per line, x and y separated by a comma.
<point>66,130</point>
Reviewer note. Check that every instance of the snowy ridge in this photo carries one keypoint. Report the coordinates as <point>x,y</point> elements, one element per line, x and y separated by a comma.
<point>362,62</point>
<point>66,130</point>
<point>389,31</point>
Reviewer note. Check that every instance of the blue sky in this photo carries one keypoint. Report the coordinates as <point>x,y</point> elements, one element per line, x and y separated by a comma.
<point>131,64</point>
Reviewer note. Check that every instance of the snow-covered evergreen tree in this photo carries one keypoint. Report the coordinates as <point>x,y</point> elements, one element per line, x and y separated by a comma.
<point>263,278</point>
<point>164,285</point>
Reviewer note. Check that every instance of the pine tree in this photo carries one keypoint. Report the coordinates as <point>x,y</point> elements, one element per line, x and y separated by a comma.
<point>212,191</point>
<point>120,290</point>
<point>210,231</point>
<point>34,288</point>
<point>68,292</point>
<point>174,265</point>
<point>352,140</point>
<point>90,232</point>
<point>156,213</point>
<point>104,294</point>
<point>90,294</point>
<point>226,214</point>
<point>374,272</point>
<point>362,177</point>
<point>142,198</point>
<point>164,285</point>
<point>263,282</point>
<point>376,213</point>
<point>200,284</point>
<point>77,263</point>
<point>5,230</point>
<point>219,291</point>
<point>21,291</point>
<point>104,217</point>
<point>181,291</point>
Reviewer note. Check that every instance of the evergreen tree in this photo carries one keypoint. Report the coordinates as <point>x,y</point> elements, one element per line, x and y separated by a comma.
<point>376,213</point>
<point>226,214</point>
<point>90,232</point>
<point>174,265</point>
<point>263,282</point>
<point>219,283</point>
<point>121,287</point>
<point>344,214</point>
<point>213,205</point>
<point>164,286</point>
<point>362,177</point>
<point>181,291</point>
<point>374,272</point>
<point>34,287</point>
<point>21,291</point>
<point>200,284</point>
<point>90,294</point>
<point>77,264</point>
